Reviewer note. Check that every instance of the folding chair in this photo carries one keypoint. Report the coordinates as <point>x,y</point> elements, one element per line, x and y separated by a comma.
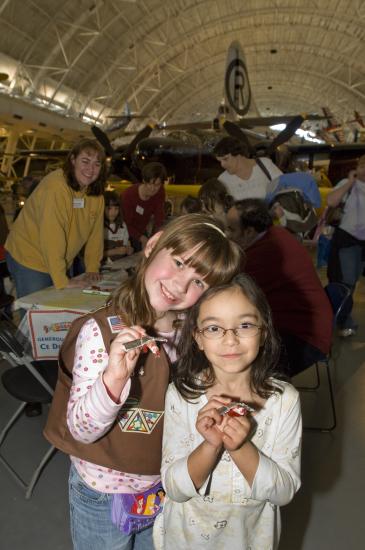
<point>30,382</point>
<point>341,301</point>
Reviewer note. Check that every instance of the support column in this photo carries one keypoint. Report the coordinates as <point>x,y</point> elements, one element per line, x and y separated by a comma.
<point>29,158</point>
<point>9,152</point>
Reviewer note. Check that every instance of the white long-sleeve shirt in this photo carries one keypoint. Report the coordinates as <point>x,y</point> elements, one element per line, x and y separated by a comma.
<point>233,515</point>
<point>257,186</point>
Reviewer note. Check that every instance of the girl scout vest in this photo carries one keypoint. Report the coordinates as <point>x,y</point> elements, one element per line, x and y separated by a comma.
<point>133,443</point>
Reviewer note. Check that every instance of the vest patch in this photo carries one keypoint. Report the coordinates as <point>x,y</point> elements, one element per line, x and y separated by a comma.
<point>115,323</point>
<point>138,420</point>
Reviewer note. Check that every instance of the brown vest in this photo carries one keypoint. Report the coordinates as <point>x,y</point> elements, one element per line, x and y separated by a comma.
<point>133,443</point>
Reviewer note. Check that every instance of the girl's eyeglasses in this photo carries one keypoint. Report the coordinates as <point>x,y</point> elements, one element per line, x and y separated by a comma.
<point>245,330</point>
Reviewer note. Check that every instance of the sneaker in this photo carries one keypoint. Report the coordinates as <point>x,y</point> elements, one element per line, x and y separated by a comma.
<point>346,332</point>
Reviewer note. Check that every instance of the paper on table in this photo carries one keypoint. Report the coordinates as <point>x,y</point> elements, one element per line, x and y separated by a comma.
<point>104,288</point>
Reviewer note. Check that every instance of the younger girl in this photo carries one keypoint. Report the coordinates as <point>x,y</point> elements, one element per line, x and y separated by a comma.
<point>116,236</point>
<point>226,476</point>
<point>115,399</point>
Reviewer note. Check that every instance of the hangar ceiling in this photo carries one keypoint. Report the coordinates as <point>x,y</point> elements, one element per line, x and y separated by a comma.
<point>166,59</point>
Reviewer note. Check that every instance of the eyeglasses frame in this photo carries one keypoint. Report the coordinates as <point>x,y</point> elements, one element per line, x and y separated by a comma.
<point>225,330</point>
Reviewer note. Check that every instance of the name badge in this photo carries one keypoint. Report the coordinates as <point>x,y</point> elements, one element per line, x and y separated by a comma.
<point>78,203</point>
<point>140,210</point>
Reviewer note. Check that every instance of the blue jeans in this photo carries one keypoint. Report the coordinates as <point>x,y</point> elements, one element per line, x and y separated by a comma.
<point>352,266</point>
<point>26,280</point>
<point>91,525</point>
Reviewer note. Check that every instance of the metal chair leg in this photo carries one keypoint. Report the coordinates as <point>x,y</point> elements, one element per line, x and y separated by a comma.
<point>333,425</point>
<point>316,386</point>
<point>28,486</point>
<point>12,421</point>
<point>37,472</point>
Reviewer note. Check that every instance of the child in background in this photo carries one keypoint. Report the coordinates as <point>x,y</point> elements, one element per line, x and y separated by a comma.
<point>190,205</point>
<point>215,199</point>
<point>226,476</point>
<point>108,407</point>
<point>116,236</point>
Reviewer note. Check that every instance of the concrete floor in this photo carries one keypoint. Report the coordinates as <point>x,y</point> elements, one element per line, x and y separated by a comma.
<point>326,514</point>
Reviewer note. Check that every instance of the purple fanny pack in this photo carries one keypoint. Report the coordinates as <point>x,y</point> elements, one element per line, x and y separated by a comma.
<point>133,512</point>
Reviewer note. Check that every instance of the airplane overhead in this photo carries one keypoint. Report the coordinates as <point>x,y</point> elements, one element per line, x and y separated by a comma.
<point>120,122</point>
<point>238,107</point>
<point>165,59</point>
<point>183,141</point>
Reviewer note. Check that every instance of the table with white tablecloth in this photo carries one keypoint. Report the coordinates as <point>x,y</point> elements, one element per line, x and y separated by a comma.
<point>50,311</point>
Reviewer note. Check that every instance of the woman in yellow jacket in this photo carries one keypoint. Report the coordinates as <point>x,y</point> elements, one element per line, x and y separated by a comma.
<point>64,213</point>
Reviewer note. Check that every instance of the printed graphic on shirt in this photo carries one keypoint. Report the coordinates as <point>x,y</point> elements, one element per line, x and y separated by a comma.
<point>138,420</point>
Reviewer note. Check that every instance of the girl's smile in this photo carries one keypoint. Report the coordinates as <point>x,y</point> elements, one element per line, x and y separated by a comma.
<point>171,283</point>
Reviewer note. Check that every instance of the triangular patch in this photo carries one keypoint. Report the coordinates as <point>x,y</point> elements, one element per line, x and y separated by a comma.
<point>124,417</point>
<point>137,424</point>
<point>151,418</point>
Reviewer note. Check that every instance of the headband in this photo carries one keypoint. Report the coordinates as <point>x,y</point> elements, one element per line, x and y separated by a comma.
<point>216,228</point>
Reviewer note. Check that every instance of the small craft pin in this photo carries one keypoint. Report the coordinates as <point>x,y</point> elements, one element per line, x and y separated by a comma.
<point>236,409</point>
<point>140,342</point>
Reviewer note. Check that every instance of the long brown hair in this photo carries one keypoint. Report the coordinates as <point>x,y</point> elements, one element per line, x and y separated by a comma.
<point>193,374</point>
<point>217,259</point>
<point>97,187</point>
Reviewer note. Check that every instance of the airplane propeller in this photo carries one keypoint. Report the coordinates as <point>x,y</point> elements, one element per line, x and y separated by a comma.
<point>235,131</point>
<point>110,151</point>
<point>286,134</point>
<point>142,134</point>
<point>103,139</point>
<point>121,158</point>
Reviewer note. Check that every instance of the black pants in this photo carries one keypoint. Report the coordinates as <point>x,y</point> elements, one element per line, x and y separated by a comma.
<point>297,355</point>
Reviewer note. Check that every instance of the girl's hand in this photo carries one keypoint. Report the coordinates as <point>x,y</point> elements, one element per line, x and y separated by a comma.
<point>121,363</point>
<point>236,431</point>
<point>209,422</point>
<point>130,250</point>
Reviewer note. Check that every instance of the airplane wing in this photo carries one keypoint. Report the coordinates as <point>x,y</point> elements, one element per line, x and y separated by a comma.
<point>246,122</point>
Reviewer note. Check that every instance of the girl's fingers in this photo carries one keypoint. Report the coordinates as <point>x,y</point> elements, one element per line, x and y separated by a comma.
<point>236,428</point>
<point>206,422</point>
<point>212,414</point>
<point>238,423</point>
<point>216,402</point>
<point>154,348</point>
<point>221,399</point>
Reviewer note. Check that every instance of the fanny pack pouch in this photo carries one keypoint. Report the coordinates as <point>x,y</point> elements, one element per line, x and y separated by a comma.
<point>132,513</point>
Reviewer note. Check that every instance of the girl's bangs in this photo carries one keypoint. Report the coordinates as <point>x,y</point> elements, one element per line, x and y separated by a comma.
<point>215,263</point>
